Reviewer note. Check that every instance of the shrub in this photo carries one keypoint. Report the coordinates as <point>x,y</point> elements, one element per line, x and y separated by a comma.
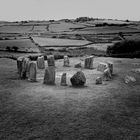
<point>53,36</point>
<point>83,19</point>
<point>6,38</point>
<point>51,49</point>
<point>124,47</point>
<point>62,50</point>
<point>15,48</point>
<point>8,48</point>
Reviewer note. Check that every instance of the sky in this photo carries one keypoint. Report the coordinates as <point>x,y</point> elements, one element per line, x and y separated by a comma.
<point>17,10</point>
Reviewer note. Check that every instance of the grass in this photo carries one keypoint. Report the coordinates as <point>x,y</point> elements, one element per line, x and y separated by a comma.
<point>15,29</point>
<point>63,26</point>
<point>101,112</point>
<point>58,42</point>
<point>23,44</point>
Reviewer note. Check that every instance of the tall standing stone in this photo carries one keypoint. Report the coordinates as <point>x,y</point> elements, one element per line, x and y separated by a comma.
<point>25,65</point>
<point>49,76</point>
<point>40,62</point>
<point>89,62</point>
<point>51,60</point>
<point>110,66</point>
<point>64,79</point>
<point>32,71</point>
<point>78,79</point>
<point>66,61</point>
<point>19,65</point>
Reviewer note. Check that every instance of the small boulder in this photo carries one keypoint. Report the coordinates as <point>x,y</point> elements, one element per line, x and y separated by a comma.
<point>78,79</point>
<point>64,79</point>
<point>137,70</point>
<point>99,80</point>
<point>107,75</point>
<point>102,66</point>
<point>129,79</point>
<point>79,65</point>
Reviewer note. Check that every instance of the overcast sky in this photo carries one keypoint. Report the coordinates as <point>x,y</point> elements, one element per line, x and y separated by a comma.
<point>13,10</point>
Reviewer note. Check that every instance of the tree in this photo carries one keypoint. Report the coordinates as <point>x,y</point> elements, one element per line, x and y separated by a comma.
<point>15,48</point>
<point>8,48</point>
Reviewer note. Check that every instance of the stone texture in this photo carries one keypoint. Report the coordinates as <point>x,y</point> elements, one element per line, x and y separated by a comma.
<point>32,71</point>
<point>64,79</point>
<point>78,65</point>
<point>137,70</point>
<point>107,75</point>
<point>99,80</point>
<point>25,66</point>
<point>66,61</point>
<point>51,60</point>
<point>19,65</point>
<point>129,79</point>
<point>40,62</point>
<point>78,79</point>
<point>102,66</point>
<point>49,77</point>
<point>89,62</point>
<point>110,66</point>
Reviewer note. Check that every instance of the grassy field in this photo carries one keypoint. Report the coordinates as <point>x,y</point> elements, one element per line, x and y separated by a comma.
<point>102,112</point>
<point>15,29</point>
<point>24,45</point>
<point>58,42</point>
<point>64,27</point>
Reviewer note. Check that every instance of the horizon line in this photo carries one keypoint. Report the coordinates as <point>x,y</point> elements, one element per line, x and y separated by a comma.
<point>97,18</point>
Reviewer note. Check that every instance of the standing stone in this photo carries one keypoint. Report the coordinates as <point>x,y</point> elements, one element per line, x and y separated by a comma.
<point>19,65</point>
<point>110,66</point>
<point>66,61</point>
<point>99,80</point>
<point>102,66</point>
<point>49,77</point>
<point>32,71</point>
<point>79,65</point>
<point>51,61</point>
<point>64,79</point>
<point>107,75</point>
<point>89,62</point>
<point>78,79</point>
<point>40,62</point>
<point>25,65</point>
